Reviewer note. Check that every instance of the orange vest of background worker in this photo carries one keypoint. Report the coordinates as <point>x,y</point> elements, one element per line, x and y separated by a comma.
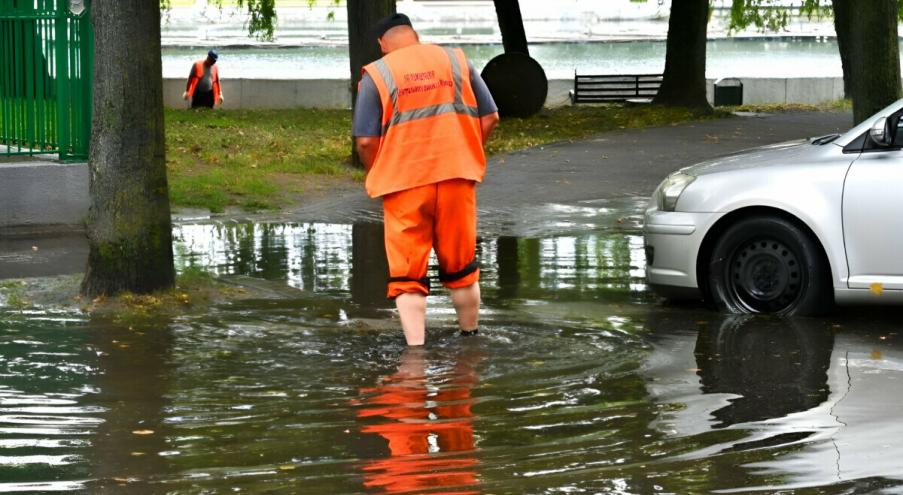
<point>424,158</point>
<point>203,86</point>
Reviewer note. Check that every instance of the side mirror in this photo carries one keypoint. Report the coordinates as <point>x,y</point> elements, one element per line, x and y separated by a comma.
<point>881,132</point>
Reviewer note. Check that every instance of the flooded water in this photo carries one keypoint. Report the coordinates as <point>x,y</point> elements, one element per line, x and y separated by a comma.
<point>733,57</point>
<point>580,382</point>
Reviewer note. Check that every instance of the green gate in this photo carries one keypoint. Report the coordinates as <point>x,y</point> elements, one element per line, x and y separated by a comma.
<point>46,69</point>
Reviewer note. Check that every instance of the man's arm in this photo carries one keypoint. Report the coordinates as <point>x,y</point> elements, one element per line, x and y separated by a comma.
<point>489,111</point>
<point>191,77</point>
<point>367,147</point>
<point>367,125</point>
<point>219,89</point>
<point>488,123</point>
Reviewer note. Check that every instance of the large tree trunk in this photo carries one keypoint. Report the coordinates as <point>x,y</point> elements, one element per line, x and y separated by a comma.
<point>511,24</point>
<point>875,58</point>
<point>842,24</point>
<point>362,46</point>
<point>129,224</point>
<point>684,82</point>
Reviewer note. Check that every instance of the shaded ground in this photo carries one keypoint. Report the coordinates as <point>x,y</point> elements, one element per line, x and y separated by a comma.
<point>611,166</point>
<point>270,159</point>
<point>603,181</point>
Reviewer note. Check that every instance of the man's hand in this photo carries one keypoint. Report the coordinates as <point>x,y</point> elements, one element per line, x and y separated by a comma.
<point>367,147</point>
<point>487,124</point>
<point>185,96</point>
<point>220,102</point>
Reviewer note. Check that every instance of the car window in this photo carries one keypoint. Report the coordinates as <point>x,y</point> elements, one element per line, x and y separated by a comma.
<point>898,137</point>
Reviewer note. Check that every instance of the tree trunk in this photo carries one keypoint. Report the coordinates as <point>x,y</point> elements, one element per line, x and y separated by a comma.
<point>362,46</point>
<point>511,24</point>
<point>842,11</point>
<point>684,82</point>
<point>875,57</point>
<point>129,226</point>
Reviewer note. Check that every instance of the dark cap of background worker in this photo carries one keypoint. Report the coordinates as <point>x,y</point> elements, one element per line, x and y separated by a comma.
<point>389,22</point>
<point>213,54</point>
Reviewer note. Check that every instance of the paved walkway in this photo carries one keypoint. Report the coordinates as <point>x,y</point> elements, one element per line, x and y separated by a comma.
<point>591,184</point>
<point>610,166</point>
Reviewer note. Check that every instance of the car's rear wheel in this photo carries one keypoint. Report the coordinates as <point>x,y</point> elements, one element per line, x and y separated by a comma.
<point>769,265</point>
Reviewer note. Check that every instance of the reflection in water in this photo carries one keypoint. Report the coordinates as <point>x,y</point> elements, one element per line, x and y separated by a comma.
<point>775,368</point>
<point>427,421</point>
<point>309,257</point>
<point>47,413</point>
<point>342,258</point>
<point>585,388</point>
<point>130,447</point>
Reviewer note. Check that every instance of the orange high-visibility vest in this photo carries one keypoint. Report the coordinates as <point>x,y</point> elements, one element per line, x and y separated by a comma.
<point>199,73</point>
<point>431,125</point>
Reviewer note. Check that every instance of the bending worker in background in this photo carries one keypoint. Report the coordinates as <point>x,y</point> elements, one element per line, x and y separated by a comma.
<point>421,119</point>
<point>203,83</point>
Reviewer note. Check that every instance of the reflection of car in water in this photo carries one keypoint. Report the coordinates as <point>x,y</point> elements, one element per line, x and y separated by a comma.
<point>823,406</point>
<point>787,228</point>
<point>428,425</point>
<point>776,368</point>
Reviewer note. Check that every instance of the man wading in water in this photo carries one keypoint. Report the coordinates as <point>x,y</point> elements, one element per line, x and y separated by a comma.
<point>421,119</point>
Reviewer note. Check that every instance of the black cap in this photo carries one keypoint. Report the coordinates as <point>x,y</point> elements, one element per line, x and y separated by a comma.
<point>389,22</point>
<point>212,54</point>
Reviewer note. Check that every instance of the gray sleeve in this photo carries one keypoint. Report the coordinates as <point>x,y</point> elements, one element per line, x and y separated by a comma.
<point>368,112</point>
<point>485,104</point>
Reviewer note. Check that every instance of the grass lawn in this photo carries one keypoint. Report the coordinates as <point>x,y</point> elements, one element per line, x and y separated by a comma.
<point>267,159</point>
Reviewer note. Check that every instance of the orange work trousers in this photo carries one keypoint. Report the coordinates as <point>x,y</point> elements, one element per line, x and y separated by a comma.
<point>440,216</point>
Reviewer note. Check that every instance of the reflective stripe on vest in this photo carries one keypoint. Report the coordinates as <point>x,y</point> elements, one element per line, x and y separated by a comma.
<point>431,111</point>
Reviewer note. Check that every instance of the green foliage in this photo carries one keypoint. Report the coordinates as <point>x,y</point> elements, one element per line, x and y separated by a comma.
<point>775,15</point>
<point>262,13</point>
<point>14,294</point>
<point>254,159</point>
<point>267,159</point>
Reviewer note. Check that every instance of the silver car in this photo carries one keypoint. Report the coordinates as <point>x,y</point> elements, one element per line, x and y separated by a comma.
<point>789,228</point>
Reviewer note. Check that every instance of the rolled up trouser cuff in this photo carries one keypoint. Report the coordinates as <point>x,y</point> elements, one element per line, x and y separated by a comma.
<point>403,285</point>
<point>462,278</point>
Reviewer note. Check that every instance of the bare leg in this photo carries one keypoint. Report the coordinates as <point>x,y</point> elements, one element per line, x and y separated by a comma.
<point>412,310</point>
<point>467,305</point>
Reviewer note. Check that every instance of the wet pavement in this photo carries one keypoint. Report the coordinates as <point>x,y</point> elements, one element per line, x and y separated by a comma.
<point>581,380</point>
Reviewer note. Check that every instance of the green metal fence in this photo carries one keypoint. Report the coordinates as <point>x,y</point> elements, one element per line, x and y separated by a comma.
<point>46,69</point>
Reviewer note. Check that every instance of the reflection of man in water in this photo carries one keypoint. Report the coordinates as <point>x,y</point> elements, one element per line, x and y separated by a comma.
<point>422,423</point>
<point>203,83</point>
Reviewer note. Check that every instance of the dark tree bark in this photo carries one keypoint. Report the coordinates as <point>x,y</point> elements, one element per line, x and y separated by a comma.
<point>129,226</point>
<point>684,82</point>
<point>874,57</point>
<point>362,46</point>
<point>511,24</point>
<point>842,24</point>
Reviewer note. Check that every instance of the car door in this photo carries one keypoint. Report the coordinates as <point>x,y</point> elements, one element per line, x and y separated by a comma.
<point>873,218</point>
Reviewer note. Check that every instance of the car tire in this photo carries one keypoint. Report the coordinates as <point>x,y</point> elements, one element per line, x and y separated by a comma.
<point>769,265</point>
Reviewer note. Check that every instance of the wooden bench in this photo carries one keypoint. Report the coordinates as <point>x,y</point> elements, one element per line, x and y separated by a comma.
<point>605,89</point>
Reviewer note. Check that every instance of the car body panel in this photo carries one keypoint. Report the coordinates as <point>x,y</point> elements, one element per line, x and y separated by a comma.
<point>873,221</point>
<point>806,181</point>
